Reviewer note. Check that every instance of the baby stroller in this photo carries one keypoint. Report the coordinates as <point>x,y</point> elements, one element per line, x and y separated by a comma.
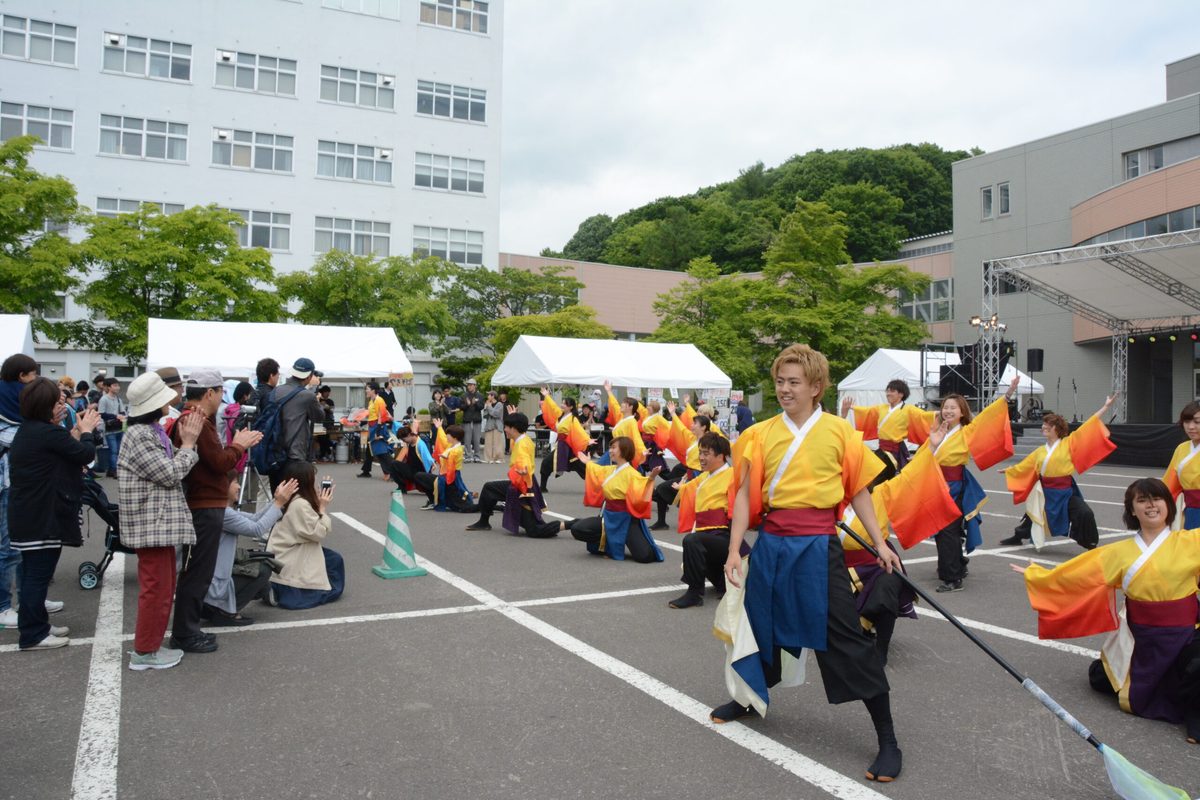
<point>95,498</point>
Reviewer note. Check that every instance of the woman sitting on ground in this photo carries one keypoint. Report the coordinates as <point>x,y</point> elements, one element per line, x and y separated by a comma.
<point>623,495</point>
<point>312,574</point>
<point>1153,665</point>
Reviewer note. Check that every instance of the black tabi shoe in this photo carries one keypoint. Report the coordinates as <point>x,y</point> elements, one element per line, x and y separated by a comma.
<point>660,526</point>
<point>887,764</point>
<point>950,586</point>
<point>687,600</point>
<point>1012,541</point>
<point>479,526</point>
<point>729,712</point>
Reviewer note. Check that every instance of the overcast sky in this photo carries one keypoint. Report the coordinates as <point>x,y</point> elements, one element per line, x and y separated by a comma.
<point>609,104</point>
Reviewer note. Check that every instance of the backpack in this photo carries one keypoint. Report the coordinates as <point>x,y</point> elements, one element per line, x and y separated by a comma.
<point>268,455</point>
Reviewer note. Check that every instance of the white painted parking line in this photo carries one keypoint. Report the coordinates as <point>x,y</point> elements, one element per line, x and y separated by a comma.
<point>1007,493</point>
<point>801,766</point>
<point>95,776</point>
<point>1008,633</point>
<point>1094,473</point>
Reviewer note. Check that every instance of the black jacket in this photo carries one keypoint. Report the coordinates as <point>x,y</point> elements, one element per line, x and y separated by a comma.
<point>472,407</point>
<point>46,464</point>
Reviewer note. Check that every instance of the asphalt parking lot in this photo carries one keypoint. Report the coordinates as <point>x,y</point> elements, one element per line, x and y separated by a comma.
<point>527,669</point>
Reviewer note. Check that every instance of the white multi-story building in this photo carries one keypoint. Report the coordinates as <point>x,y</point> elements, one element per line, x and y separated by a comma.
<point>371,126</point>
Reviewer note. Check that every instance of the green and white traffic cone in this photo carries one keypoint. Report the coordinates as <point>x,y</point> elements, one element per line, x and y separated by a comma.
<point>399,560</point>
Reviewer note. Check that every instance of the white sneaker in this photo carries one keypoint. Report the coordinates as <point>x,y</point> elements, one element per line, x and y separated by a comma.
<point>163,658</point>
<point>49,643</point>
<point>60,630</point>
<point>8,618</point>
<point>54,606</point>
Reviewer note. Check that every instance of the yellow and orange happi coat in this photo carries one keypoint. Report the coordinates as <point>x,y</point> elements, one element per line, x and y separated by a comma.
<point>628,427</point>
<point>550,412</point>
<point>450,462</point>
<point>682,442</point>
<point>520,464</point>
<point>834,466</point>
<point>618,488</point>
<point>566,425</point>
<point>656,427</point>
<point>986,439</point>
<point>704,501</point>
<point>1079,598</point>
<point>441,442</point>
<point>916,503</point>
<point>1084,449</point>
<point>892,424</point>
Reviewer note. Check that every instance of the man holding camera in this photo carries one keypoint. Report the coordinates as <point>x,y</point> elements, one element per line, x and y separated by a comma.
<point>299,409</point>
<point>207,488</point>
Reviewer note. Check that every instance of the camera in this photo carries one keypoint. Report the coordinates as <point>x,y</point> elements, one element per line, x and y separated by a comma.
<point>326,484</point>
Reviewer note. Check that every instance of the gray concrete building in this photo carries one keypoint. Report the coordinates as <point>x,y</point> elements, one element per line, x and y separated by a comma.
<point>1132,180</point>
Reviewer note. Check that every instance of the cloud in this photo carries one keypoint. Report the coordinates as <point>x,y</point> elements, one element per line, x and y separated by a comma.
<point>610,105</point>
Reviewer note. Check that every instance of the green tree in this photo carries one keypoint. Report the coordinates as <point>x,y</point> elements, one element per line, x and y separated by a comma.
<point>574,321</point>
<point>477,296</point>
<point>179,266</point>
<point>708,311</point>
<point>363,291</point>
<point>589,240</point>
<point>34,265</point>
<point>871,212</point>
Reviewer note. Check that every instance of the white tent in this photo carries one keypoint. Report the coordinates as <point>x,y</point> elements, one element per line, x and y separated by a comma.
<point>867,383</point>
<point>16,335</point>
<point>537,360</point>
<point>235,347</point>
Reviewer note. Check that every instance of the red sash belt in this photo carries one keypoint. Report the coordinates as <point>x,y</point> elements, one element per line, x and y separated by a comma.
<point>621,506</point>
<point>858,558</point>
<point>1061,482</point>
<point>1179,613</point>
<point>1191,498</point>
<point>952,473</point>
<point>800,521</point>
<point>712,518</point>
<point>889,446</point>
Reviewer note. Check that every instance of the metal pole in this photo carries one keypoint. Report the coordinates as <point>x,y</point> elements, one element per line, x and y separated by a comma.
<point>1120,373</point>
<point>989,339</point>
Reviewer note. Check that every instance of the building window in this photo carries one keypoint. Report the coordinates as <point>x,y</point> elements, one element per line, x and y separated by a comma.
<point>452,102</point>
<point>1005,207</point>
<point>59,311</point>
<point>37,40</point>
<point>935,304</point>
<point>449,173</point>
<point>359,236</point>
<point>267,229</point>
<point>354,162</point>
<point>249,150</point>
<point>463,15</point>
<point>1155,158</point>
<point>388,9</point>
<point>54,126</point>
<point>1131,166</point>
<point>112,206</point>
<point>459,246</point>
<point>143,138</point>
<point>152,58</point>
<point>254,73</point>
<point>985,202</point>
<point>358,88</point>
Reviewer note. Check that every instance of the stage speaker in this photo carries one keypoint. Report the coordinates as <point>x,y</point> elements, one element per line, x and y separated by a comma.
<point>952,381</point>
<point>1033,359</point>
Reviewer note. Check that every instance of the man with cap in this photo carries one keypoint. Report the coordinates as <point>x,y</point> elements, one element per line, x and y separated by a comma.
<point>207,488</point>
<point>472,411</point>
<point>299,408</point>
<point>170,376</point>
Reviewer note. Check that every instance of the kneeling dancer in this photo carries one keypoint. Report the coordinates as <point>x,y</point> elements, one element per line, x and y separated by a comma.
<point>704,518</point>
<point>801,467</point>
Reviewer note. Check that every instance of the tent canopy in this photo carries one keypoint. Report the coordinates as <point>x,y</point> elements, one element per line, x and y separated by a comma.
<point>537,360</point>
<point>867,383</point>
<point>16,333</point>
<point>235,347</point>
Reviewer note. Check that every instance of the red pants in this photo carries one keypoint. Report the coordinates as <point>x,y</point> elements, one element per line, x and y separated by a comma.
<point>156,594</point>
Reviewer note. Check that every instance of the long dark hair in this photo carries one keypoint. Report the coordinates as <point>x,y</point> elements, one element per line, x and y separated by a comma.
<point>305,474</point>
